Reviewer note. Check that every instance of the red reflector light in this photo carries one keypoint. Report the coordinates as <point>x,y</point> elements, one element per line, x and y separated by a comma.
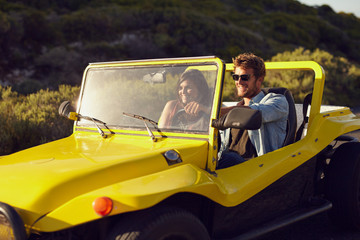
<point>102,205</point>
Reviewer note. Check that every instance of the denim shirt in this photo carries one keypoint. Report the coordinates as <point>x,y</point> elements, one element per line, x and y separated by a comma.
<point>271,135</point>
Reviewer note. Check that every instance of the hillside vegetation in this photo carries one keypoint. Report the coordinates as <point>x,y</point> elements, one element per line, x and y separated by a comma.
<point>46,44</point>
<point>30,120</point>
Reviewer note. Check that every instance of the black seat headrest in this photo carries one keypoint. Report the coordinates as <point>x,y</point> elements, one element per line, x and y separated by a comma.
<point>292,120</point>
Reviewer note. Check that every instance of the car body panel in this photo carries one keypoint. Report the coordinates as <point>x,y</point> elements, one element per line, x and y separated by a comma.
<point>131,195</point>
<point>57,172</point>
<point>246,179</point>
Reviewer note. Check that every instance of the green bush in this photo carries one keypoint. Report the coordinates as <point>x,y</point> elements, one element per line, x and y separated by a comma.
<point>342,83</point>
<point>54,40</point>
<point>30,120</point>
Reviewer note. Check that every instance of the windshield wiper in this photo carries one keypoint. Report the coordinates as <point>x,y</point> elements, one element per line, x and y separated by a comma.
<point>95,121</point>
<point>145,120</point>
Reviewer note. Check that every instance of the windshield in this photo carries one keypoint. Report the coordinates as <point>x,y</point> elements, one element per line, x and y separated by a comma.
<point>176,97</point>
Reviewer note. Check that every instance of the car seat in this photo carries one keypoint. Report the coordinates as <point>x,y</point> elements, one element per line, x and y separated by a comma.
<point>292,120</point>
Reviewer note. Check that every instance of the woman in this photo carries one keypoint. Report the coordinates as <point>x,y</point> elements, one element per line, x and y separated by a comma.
<point>193,97</point>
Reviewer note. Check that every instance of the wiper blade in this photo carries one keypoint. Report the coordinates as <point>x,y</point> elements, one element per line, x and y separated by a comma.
<point>95,121</point>
<point>141,118</point>
<point>145,119</point>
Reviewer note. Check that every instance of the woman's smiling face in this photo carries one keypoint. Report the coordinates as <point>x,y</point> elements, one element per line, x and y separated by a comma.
<point>188,92</point>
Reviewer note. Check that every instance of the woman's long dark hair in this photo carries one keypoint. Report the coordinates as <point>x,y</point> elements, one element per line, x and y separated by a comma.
<point>199,80</point>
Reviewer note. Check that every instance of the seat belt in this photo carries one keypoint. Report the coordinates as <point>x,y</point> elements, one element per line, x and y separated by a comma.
<point>306,103</point>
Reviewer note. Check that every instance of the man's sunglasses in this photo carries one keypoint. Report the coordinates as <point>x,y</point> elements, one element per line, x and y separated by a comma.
<point>243,77</point>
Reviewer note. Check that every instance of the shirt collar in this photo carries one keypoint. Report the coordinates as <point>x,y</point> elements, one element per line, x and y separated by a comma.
<point>258,97</point>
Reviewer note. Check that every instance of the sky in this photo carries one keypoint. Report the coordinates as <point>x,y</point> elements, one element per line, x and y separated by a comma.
<point>348,6</point>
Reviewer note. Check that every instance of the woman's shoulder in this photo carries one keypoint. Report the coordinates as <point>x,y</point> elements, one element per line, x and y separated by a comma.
<point>171,104</point>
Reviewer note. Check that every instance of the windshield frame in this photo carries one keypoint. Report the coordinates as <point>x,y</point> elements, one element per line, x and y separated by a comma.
<point>199,62</point>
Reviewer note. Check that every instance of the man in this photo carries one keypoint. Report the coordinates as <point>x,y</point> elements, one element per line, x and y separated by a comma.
<point>249,74</point>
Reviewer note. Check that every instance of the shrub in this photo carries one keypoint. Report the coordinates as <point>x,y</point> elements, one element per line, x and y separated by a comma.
<point>33,119</point>
<point>342,83</point>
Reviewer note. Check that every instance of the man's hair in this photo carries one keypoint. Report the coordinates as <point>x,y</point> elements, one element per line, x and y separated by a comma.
<point>250,60</point>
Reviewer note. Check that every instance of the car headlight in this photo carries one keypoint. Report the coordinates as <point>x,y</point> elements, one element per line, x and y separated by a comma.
<point>172,157</point>
<point>11,224</point>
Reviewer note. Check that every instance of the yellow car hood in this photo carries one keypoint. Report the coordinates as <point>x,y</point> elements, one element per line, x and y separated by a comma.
<point>42,178</point>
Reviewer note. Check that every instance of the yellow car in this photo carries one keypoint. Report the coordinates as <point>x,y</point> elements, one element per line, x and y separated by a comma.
<point>129,171</point>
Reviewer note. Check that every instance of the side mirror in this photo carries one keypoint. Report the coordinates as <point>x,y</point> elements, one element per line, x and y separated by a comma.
<point>68,111</point>
<point>240,118</point>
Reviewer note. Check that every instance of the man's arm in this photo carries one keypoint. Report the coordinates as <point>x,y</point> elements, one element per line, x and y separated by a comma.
<point>273,107</point>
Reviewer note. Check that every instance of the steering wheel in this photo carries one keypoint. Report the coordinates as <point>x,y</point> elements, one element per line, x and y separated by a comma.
<point>179,119</point>
<point>184,120</point>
